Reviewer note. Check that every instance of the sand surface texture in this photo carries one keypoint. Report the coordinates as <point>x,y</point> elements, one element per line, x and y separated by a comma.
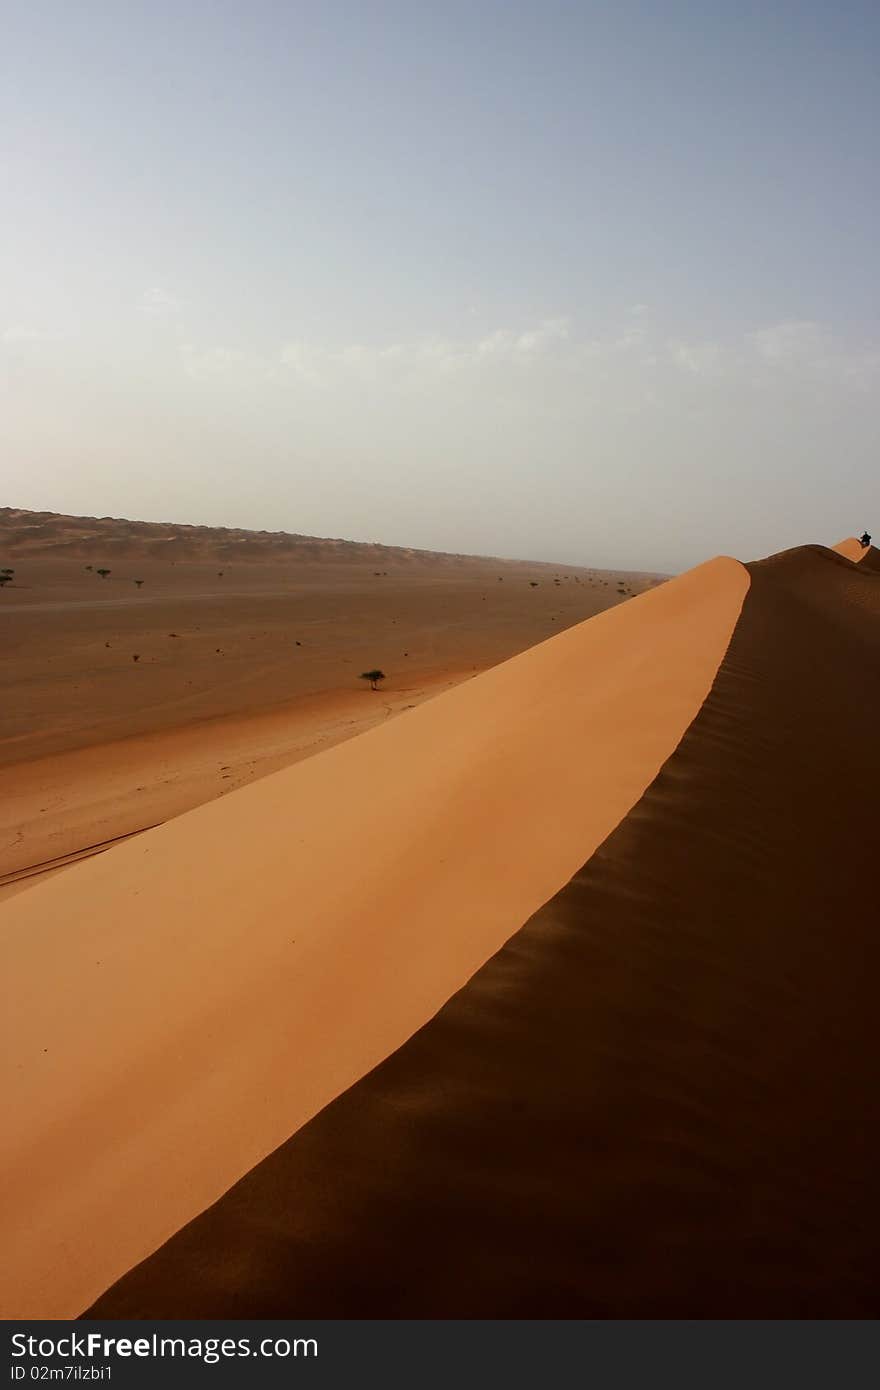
<point>180,1005</point>
<point>659,1097</point>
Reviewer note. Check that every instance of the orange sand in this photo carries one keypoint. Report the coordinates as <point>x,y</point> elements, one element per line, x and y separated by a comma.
<point>181,1004</point>
<point>658,1098</point>
<point>851,549</point>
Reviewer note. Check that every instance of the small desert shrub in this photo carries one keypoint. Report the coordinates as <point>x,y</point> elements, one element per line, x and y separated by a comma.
<point>103,573</point>
<point>135,656</point>
<point>139,582</point>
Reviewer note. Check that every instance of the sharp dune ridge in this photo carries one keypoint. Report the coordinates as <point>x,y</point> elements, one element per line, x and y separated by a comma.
<point>191,997</point>
<point>852,549</point>
<point>26,534</point>
<point>658,1098</point>
<point>508,996</point>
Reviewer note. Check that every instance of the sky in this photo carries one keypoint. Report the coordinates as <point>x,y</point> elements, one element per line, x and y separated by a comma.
<point>592,283</point>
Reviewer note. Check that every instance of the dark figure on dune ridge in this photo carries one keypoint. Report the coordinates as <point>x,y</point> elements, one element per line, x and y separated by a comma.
<point>865,540</point>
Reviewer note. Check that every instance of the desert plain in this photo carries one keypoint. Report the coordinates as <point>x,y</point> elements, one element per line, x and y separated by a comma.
<point>206,658</point>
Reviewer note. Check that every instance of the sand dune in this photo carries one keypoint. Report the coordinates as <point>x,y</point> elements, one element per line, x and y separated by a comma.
<point>183,1003</point>
<point>870,558</point>
<point>658,1099</point>
<point>851,549</point>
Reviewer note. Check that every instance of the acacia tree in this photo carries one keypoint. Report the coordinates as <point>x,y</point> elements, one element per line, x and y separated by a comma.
<point>103,573</point>
<point>374,677</point>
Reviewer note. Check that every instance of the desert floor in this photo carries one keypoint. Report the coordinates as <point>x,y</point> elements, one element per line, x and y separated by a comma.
<point>245,665</point>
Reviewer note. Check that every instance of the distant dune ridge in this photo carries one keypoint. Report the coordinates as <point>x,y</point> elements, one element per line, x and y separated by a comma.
<point>870,558</point>
<point>53,535</point>
<point>546,997</point>
<point>852,549</point>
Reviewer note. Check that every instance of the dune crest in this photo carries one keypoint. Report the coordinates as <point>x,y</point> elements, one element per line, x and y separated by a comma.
<point>187,978</point>
<point>851,549</point>
<point>658,1099</point>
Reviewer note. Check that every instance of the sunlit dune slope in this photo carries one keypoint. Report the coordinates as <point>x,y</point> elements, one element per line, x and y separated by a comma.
<point>659,1098</point>
<point>179,1006</point>
<point>851,549</point>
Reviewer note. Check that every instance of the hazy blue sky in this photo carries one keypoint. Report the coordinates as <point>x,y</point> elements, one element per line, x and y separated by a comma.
<point>577,281</point>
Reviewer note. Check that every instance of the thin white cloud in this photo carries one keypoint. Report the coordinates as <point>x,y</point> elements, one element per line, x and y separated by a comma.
<point>633,361</point>
<point>24,334</point>
<point>796,340</point>
<point>157,302</point>
<point>699,359</point>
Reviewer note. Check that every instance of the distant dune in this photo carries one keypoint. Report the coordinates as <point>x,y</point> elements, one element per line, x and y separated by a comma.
<point>851,549</point>
<point>542,1000</point>
<point>51,535</point>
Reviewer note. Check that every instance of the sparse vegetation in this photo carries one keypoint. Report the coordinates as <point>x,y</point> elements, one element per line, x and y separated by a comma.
<point>135,656</point>
<point>88,567</point>
<point>139,582</point>
<point>374,677</point>
<point>103,573</point>
<point>533,583</point>
<point>5,579</point>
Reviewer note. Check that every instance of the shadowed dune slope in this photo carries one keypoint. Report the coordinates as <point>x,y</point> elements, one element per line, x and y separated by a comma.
<point>179,1005</point>
<point>659,1097</point>
<point>871,558</point>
